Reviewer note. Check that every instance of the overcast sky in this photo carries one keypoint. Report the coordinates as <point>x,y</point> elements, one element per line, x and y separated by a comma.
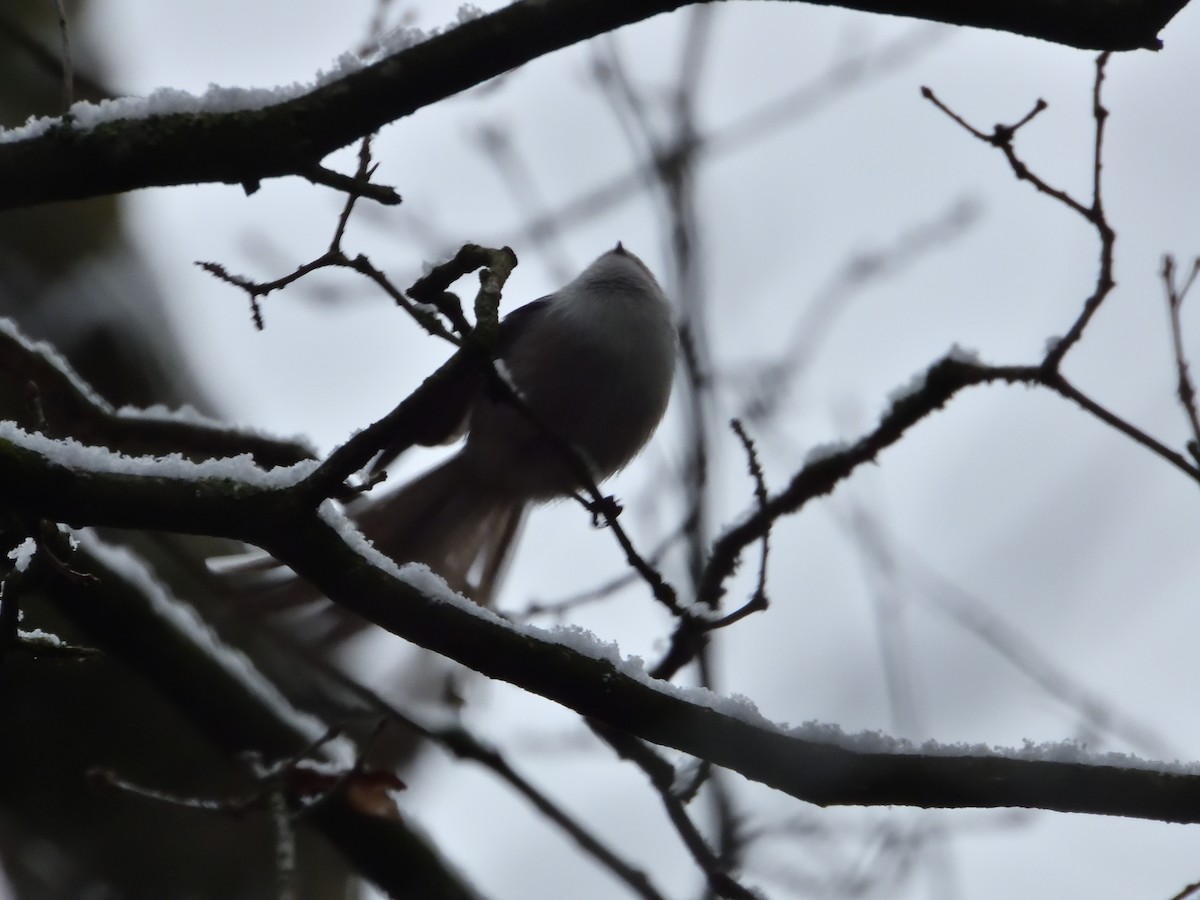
<point>1010,507</point>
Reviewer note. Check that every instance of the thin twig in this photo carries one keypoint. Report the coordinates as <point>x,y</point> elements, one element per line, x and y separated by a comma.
<point>285,842</point>
<point>256,289</point>
<point>422,416</point>
<point>273,784</point>
<point>41,645</point>
<point>602,507</point>
<point>1064,388</point>
<point>332,258</point>
<point>362,178</point>
<point>1002,137</point>
<point>51,63</point>
<point>459,741</point>
<point>421,316</point>
<point>381,193</point>
<point>1176,293</point>
<point>355,186</point>
<point>465,746</point>
<point>236,806</point>
<point>68,64</point>
<point>661,775</point>
<point>606,589</point>
<point>1104,277</point>
<point>1189,891</point>
<point>758,600</point>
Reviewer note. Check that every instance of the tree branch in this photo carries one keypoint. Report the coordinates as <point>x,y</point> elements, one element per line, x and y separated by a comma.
<point>163,496</point>
<point>61,405</point>
<point>65,162</point>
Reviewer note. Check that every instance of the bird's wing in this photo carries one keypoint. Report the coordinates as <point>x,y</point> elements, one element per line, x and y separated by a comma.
<point>441,407</point>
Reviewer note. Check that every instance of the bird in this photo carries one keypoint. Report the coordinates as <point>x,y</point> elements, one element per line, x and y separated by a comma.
<point>593,363</point>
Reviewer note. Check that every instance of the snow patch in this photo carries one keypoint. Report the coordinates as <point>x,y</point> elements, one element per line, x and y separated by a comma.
<point>1067,751</point>
<point>85,116</point>
<point>916,384</point>
<point>52,356</point>
<point>821,452</point>
<point>37,636</point>
<point>71,454</point>
<point>22,554</point>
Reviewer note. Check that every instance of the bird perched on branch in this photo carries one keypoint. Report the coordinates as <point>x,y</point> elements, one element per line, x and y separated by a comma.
<point>591,368</point>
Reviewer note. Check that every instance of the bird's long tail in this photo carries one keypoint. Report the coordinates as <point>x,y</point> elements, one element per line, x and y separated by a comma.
<point>444,519</point>
<point>450,522</point>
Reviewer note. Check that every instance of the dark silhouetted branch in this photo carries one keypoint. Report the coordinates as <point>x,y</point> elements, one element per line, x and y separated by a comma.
<point>293,136</point>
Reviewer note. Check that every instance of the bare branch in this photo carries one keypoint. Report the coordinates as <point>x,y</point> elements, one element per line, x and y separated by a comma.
<point>1064,388</point>
<point>1185,389</point>
<point>758,600</point>
<point>1104,276</point>
<point>281,521</point>
<point>464,745</point>
<point>561,606</point>
<point>352,185</point>
<point>662,777</point>
<point>334,257</point>
<point>1002,137</point>
<point>256,289</point>
<point>1190,891</point>
<point>604,508</point>
<point>85,87</point>
<point>68,57</point>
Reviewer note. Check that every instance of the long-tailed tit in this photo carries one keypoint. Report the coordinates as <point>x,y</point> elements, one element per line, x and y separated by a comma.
<point>594,362</point>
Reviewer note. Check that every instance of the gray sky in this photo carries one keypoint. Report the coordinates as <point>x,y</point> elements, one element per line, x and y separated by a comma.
<point>1009,504</point>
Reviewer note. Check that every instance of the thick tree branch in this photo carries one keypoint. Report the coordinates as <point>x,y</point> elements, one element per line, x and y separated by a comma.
<point>281,520</point>
<point>60,405</point>
<point>292,137</point>
<point>1087,24</point>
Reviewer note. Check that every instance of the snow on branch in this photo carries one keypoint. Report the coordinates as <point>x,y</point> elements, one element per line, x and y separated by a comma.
<point>60,482</point>
<point>242,136</point>
<point>60,404</point>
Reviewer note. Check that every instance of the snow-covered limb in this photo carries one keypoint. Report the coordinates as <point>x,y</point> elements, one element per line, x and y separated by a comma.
<point>569,666</point>
<point>827,467</point>
<point>22,555</point>
<point>229,136</point>
<point>572,668</point>
<point>63,404</point>
<point>925,394</point>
